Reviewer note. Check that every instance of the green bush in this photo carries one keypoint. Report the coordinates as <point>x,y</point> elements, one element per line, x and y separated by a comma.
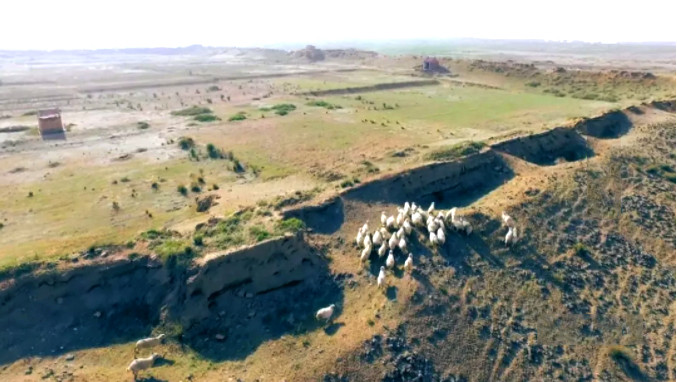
<point>142,125</point>
<point>347,183</point>
<point>198,240</point>
<point>195,187</point>
<point>213,152</point>
<point>192,111</point>
<point>213,88</point>
<point>581,249</point>
<point>290,225</point>
<point>323,104</point>
<point>182,190</point>
<point>259,233</point>
<point>456,151</point>
<point>185,143</point>
<point>533,84</point>
<point>283,108</point>
<point>206,118</point>
<point>240,116</point>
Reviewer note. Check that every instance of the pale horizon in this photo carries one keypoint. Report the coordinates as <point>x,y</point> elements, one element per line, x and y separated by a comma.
<point>81,25</point>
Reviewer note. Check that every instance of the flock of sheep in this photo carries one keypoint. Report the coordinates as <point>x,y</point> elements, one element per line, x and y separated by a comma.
<point>392,234</point>
<point>394,231</point>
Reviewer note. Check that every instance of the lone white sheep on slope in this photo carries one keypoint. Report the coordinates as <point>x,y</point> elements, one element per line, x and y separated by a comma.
<point>148,342</point>
<point>409,263</point>
<point>325,313</point>
<point>140,364</point>
<point>511,236</point>
<point>507,220</point>
<point>381,280</point>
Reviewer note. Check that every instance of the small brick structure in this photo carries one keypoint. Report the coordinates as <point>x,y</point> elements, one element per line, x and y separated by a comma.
<point>431,64</point>
<point>50,124</point>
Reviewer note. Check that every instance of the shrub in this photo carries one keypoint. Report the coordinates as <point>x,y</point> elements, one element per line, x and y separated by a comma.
<point>347,183</point>
<point>213,88</point>
<point>186,143</point>
<point>283,108</point>
<point>259,233</point>
<point>581,249</point>
<point>215,186</point>
<point>533,84</point>
<point>290,225</point>
<point>124,179</point>
<point>182,190</point>
<point>192,111</point>
<point>323,104</point>
<point>155,186</point>
<point>195,187</point>
<point>206,118</point>
<point>213,152</point>
<point>456,151</point>
<point>198,240</point>
<point>142,125</point>
<point>240,116</point>
<point>29,113</point>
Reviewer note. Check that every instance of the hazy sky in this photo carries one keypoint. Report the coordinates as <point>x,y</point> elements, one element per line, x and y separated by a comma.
<point>89,24</point>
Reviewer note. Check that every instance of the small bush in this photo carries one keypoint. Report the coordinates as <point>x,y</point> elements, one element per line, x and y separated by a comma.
<point>142,125</point>
<point>581,249</point>
<point>240,116</point>
<point>195,187</point>
<point>206,118</point>
<point>192,111</point>
<point>323,104</point>
<point>259,233</point>
<point>456,151</point>
<point>124,179</point>
<point>290,225</point>
<point>213,88</point>
<point>347,183</point>
<point>182,190</point>
<point>155,186</point>
<point>198,240</point>
<point>533,84</point>
<point>215,186</point>
<point>186,143</point>
<point>283,108</point>
<point>29,113</point>
<point>213,152</point>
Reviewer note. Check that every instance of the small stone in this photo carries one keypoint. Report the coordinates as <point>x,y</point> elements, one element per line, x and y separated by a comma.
<point>249,295</point>
<point>240,293</point>
<point>220,337</point>
<point>97,314</point>
<point>70,357</point>
<point>59,300</point>
<point>222,313</point>
<point>252,313</point>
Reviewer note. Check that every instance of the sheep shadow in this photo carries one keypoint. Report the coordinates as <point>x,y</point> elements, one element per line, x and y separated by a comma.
<point>162,361</point>
<point>326,218</point>
<point>391,293</point>
<point>150,379</point>
<point>608,126</point>
<point>333,328</point>
<point>243,324</point>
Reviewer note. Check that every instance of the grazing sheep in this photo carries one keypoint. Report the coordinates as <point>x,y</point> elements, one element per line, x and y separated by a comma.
<point>392,243</point>
<point>407,209</point>
<point>367,241</point>
<point>383,218</point>
<point>377,239</point>
<point>359,238</point>
<point>407,227</point>
<point>511,236</point>
<point>403,245</point>
<point>409,263</point>
<point>451,215</point>
<point>431,208</point>
<point>382,250</point>
<point>390,222</point>
<point>325,313</point>
<point>365,227</point>
<point>400,219</point>
<point>440,216</point>
<point>400,233</point>
<point>466,226</point>
<point>458,224</point>
<point>140,364</point>
<point>381,280</point>
<point>390,261</point>
<point>432,227</point>
<point>148,342</point>
<point>507,220</point>
<point>440,236</point>
<point>433,238</point>
<point>385,233</point>
<point>365,254</point>
<point>417,219</point>
<point>414,207</point>
<point>440,224</point>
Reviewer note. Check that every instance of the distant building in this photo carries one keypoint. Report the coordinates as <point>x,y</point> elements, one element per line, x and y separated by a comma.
<point>50,125</point>
<point>431,64</point>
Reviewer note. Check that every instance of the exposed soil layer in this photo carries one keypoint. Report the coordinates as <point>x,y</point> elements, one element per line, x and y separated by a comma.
<point>548,147</point>
<point>119,301</point>
<point>609,125</point>
<point>326,217</point>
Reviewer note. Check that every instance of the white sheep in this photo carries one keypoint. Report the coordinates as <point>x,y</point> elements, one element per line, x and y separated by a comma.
<point>359,238</point>
<point>365,254</point>
<point>433,238</point>
<point>440,215</point>
<point>407,209</point>
<point>382,250</point>
<point>458,224</point>
<point>390,222</point>
<point>414,207</point>
<point>381,280</point>
<point>148,342</point>
<point>383,218</point>
<point>431,208</point>
<point>390,261</point>
<point>440,236</point>
<point>507,220</point>
<point>325,313</point>
<point>385,233</point>
<point>367,241</point>
<point>403,245</point>
<point>417,218</point>
<point>365,227</point>
<point>142,364</point>
<point>400,233</point>
<point>400,219</point>
<point>440,223</point>
<point>409,263</point>
<point>407,227</point>
<point>432,227</point>
<point>466,226</point>
<point>377,239</point>
<point>511,236</point>
<point>392,243</point>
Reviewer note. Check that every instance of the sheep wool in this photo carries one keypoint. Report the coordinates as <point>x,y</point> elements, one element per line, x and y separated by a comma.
<point>140,364</point>
<point>409,263</point>
<point>390,262</point>
<point>325,313</point>
<point>381,280</point>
